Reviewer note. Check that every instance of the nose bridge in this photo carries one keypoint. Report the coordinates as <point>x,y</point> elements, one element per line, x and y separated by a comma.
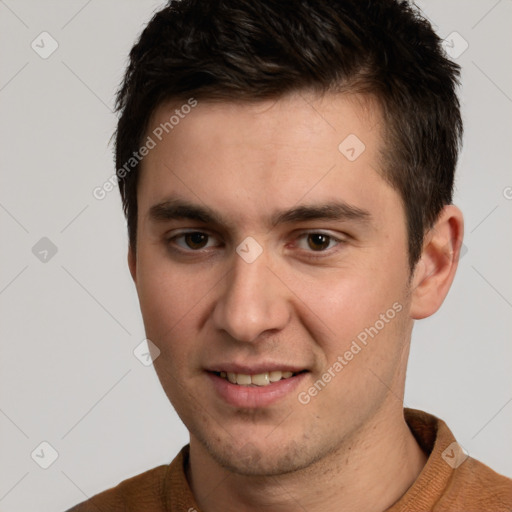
<point>252,301</point>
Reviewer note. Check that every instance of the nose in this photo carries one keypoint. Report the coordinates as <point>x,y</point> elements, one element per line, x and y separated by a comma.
<point>252,301</point>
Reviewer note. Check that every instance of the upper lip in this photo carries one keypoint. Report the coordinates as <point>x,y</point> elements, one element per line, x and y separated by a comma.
<point>254,369</point>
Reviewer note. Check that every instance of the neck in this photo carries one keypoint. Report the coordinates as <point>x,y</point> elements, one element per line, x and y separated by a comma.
<point>369,472</point>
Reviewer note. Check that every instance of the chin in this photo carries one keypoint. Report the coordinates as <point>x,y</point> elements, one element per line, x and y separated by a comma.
<point>260,458</point>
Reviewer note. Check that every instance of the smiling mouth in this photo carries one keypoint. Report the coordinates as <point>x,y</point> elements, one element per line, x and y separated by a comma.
<point>259,380</point>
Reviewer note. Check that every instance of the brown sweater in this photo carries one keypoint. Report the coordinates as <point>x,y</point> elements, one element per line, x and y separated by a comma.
<point>449,482</point>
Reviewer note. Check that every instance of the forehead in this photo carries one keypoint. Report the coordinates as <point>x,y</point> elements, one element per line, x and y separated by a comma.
<point>247,157</point>
<point>283,121</point>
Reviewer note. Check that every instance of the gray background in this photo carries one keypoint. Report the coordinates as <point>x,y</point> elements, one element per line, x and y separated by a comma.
<point>69,324</point>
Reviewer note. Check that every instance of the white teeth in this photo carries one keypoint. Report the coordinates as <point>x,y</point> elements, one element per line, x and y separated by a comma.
<point>261,379</point>
<point>243,380</point>
<point>275,376</point>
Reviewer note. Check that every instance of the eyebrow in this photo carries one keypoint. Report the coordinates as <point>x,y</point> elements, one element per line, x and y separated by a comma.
<point>336,210</point>
<point>174,209</point>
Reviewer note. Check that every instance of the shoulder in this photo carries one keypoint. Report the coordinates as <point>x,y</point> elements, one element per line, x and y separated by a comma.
<point>477,487</point>
<point>145,491</point>
<point>451,481</point>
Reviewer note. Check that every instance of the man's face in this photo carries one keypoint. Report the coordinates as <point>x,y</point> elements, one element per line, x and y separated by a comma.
<point>333,268</point>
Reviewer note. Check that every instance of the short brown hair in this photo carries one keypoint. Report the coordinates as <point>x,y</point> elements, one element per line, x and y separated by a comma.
<point>245,50</point>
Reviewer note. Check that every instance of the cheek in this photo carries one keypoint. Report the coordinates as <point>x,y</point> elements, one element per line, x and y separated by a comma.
<point>340,300</point>
<point>359,327</point>
<point>341,307</point>
<point>167,297</point>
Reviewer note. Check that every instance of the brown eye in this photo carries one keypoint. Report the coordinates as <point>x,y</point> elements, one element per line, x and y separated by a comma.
<point>318,241</point>
<point>196,240</point>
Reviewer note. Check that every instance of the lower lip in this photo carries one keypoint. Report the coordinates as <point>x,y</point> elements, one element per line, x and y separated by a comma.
<point>252,397</point>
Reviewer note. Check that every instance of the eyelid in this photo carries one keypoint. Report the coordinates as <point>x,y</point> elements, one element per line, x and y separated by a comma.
<point>340,240</point>
<point>339,237</point>
<point>171,236</point>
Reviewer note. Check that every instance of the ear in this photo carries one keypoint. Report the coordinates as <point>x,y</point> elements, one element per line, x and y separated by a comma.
<point>434,272</point>
<point>132,263</point>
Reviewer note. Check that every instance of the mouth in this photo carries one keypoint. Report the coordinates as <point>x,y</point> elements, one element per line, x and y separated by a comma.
<point>258,380</point>
<point>257,390</point>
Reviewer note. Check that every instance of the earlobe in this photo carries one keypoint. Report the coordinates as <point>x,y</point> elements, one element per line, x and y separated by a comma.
<point>435,271</point>
<point>132,263</point>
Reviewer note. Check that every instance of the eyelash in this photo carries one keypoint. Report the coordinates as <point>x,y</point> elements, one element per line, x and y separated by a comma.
<point>303,235</point>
